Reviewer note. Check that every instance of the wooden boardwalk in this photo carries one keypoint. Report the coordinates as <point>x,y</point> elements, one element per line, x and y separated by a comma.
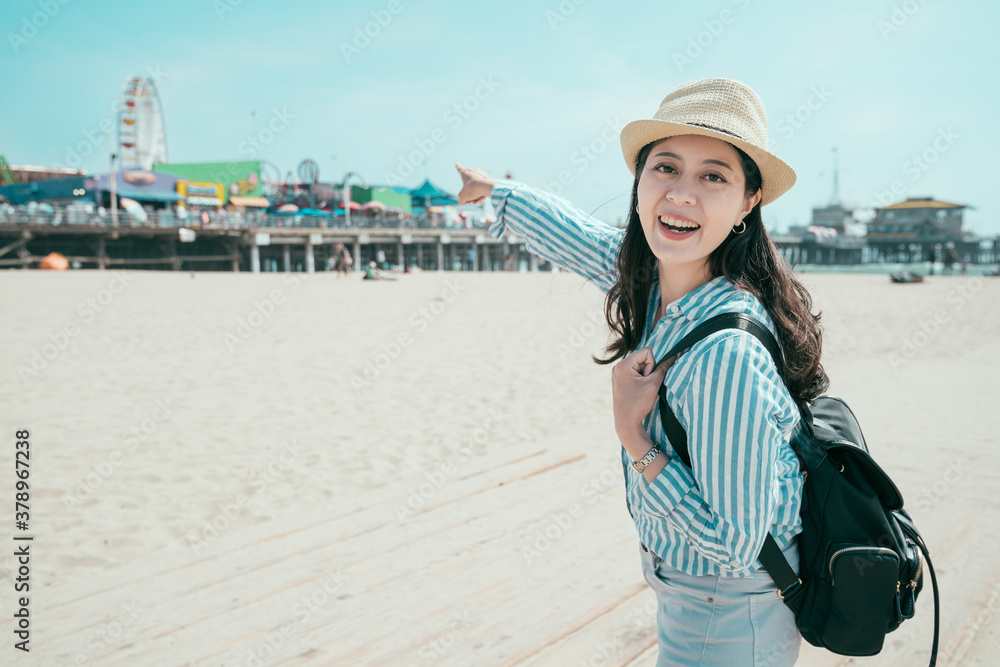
<point>465,579</point>
<point>449,585</point>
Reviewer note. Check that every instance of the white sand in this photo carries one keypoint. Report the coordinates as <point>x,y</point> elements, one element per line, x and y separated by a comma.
<point>326,548</point>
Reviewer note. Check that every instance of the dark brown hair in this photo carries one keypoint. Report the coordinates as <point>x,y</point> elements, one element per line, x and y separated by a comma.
<point>750,261</point>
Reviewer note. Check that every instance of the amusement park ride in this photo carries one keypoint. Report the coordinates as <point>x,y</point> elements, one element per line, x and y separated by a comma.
<point>142,134</point>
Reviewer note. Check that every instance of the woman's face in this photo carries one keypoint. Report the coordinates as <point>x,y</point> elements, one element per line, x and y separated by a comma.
<point>695,184</point>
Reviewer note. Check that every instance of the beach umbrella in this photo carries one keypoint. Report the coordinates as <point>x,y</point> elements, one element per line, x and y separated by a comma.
<point>288,208</point>
<point>134,208</point>
<point>54,261</point>
<point>376,205</point>
<point>315,212</point>
<point>353,205</point>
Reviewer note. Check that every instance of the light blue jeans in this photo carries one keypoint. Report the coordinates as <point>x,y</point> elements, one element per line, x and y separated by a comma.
<point>725,621</point>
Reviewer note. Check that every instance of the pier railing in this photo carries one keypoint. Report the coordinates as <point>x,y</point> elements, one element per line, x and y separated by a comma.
<point>217,220</point>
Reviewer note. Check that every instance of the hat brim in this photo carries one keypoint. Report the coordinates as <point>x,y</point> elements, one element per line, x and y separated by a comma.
<point>777,175</point>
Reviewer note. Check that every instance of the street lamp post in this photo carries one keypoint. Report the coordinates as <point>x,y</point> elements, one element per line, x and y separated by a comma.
<point>114,192</point>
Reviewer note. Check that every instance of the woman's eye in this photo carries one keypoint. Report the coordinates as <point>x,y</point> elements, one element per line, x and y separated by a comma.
<point>717,176</point>
<point>664,166</point>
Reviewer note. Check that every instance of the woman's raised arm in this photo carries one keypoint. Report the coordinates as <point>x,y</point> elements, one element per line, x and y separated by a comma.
<point>553,228</point>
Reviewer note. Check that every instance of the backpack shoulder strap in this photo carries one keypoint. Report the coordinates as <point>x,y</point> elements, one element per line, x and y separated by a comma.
<point>770,554</point>
<point>672,427</point>
<point>730,321</point>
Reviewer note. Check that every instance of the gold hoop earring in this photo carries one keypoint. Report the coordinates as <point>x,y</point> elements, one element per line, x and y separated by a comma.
<point>742,222</point>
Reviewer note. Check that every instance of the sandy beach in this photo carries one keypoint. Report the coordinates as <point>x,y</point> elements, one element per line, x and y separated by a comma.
<point>294,469</point>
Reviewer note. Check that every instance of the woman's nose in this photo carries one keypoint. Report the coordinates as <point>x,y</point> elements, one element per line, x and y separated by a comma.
<point>681,192</point>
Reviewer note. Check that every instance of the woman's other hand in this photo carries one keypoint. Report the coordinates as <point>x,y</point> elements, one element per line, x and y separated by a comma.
<point>476,185</point>
<point>634,387</point>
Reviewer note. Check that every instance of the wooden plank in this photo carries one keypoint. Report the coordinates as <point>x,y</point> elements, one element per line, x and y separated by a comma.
<point>201,588</point>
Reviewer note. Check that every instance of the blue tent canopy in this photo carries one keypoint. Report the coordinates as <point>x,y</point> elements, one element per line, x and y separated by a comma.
<point>429,194</point>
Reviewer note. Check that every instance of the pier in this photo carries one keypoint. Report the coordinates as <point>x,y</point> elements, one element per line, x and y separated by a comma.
<point>258,249</point>
<point>268,248</point>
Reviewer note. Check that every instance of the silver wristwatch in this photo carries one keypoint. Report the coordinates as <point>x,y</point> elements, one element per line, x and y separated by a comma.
<point>647,459</point>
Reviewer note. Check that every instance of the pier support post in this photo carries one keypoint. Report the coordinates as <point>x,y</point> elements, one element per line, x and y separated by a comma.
<point>310,258</point>
<point>399,254</point>
<point>234,250</point>
<point>102,254</point>
<point>357,256</point>
<point>532,262</point>
<point>286,258</point>
<point>440,251</point>
<point>420,255</point>
<point>254,258</point>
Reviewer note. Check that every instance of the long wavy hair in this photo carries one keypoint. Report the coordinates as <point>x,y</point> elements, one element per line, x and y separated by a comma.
<point>751,262</point>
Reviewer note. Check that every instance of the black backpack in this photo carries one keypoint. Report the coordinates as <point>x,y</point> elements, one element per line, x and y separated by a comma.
<point>860,554</point>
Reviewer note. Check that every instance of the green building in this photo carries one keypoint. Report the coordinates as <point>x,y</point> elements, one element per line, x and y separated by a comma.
<point>387,196</point>
<point>240,178</point>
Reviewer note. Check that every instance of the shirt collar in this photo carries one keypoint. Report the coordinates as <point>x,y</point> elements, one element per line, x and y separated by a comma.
<point>682,307</point>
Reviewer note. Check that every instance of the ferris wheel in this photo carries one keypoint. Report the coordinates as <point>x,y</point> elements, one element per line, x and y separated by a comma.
<point>142,135</point>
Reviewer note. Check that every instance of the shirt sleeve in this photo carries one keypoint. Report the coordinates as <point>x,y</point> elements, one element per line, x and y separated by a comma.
<point>737,413</point>
<point>557,231</point>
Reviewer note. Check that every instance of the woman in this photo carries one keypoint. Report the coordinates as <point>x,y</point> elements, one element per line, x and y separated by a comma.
<point>694,247</point>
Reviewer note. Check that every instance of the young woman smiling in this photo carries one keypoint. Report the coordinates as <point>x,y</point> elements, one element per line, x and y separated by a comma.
<point>694,247</point>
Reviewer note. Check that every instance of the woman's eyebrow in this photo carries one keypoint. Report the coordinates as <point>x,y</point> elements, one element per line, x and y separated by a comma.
<point>708,161</point>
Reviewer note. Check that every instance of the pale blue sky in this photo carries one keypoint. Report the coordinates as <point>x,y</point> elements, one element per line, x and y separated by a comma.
<point>896,77</point>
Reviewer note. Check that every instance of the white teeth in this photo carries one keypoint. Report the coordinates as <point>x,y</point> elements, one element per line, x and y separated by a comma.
<point>674,222</point>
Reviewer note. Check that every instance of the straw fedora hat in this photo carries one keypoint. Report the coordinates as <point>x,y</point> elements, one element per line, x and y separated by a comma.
<point>720,108</point>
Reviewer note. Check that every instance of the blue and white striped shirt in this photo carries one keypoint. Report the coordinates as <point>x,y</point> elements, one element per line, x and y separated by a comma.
<point>712,518</point>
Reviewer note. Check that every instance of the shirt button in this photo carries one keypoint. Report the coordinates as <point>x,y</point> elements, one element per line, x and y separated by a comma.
<point>674,311</point>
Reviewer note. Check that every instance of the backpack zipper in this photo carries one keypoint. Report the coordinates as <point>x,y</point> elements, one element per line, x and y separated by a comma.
<point>838,552</point>
<point>920,567</point>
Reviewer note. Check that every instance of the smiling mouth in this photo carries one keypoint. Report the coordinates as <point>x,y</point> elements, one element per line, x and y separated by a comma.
<point>678,226</point>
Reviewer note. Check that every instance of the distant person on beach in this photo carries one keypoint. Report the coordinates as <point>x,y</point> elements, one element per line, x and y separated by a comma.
<point>346,261</point>
<point>695,246</point>
<point>950,257</point>
<point>375,273</point>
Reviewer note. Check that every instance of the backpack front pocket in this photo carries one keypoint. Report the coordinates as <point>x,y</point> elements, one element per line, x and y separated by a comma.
<point>864,583</point>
